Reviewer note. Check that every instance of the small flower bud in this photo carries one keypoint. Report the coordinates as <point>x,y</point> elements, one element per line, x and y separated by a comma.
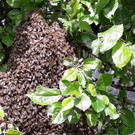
<point>3,125</point>
<point>10,126</point>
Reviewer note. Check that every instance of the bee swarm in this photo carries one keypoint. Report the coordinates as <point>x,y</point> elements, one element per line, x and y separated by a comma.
<point>36,59</point>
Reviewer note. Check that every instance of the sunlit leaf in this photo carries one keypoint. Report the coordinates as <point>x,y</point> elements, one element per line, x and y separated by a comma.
<point>91,63</point>
<point>121,54</point>
<point>109,38</point>
<point>83,102</point>
<point>111,8</point>
<point>14,3</point>
<point>44,96</point>
<point>92,90</point>
<point>13,132</point>
<point>70,74</point>
<point>99,102</point>
<point>111,111</point>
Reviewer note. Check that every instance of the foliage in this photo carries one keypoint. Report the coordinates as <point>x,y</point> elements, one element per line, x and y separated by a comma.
<point>7,128</point>
<point>106,29</point>
<point>79,93</point>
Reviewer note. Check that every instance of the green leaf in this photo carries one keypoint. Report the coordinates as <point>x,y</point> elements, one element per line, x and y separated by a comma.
<point>100,102</point>
<point>13,132</point>
<point>54,109</point>
<point>8,40</point>
<point>81,77</point>
<point>122,16</point>
<point>64,84</point>
<point>58,118</point>
<point>128,118</point>
<point>44,96</point>
<point>111,111</point>
<point>14,3</point>
<point>92,90</point>
<point>13,14</point>
<point>83,102</point>
<point>91,118</point>
<point>56,0</point>
<point>68,62</point>
<point>67,104</point>
<point>74,5</point>
<point>91,63</point>
<point>1,112</point>
<point>73,116</point>
<point>73,89</point>
<point>111,8</point>
<point>87,38</point>
<point>70,74</point>
<point>109,38</point>
<point>3,68</point>
<point>60,115</point>
<point>85,26</point>
<point>113,131</point>
<point>18,19</point>
<point>95,46</point>
<point>127,131</point>
<point>121,54</point>
<point>1,30</point>
<point>103,81</point>
<point>100,5</point>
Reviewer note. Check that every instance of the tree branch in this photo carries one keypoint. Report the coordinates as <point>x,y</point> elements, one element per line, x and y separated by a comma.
<point>131,89</point>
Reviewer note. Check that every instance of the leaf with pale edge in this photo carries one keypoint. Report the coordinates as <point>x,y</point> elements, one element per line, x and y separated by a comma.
<point>63,85</point>
<point>91,63</point>
<point>44,96</point>
<point>73,89</point>
<point>70,74</point>
<point>111,8</point>
<point>73,116</point>
<point>100,102</point>
<point>83,102</point>
<point>68,62</point>
<point>67,105</point>
<point>121,54</point>
<point>109,38</point>
<point>91,118</point>
<point>111,111</point>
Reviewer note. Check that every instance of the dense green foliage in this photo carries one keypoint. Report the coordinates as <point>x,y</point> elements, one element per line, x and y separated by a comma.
<point>106,29</point>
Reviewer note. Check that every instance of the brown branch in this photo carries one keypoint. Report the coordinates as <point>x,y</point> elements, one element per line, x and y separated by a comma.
<point>131,89</point>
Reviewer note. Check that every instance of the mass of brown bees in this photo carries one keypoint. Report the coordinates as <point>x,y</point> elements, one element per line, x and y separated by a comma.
<point>36,59</point>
